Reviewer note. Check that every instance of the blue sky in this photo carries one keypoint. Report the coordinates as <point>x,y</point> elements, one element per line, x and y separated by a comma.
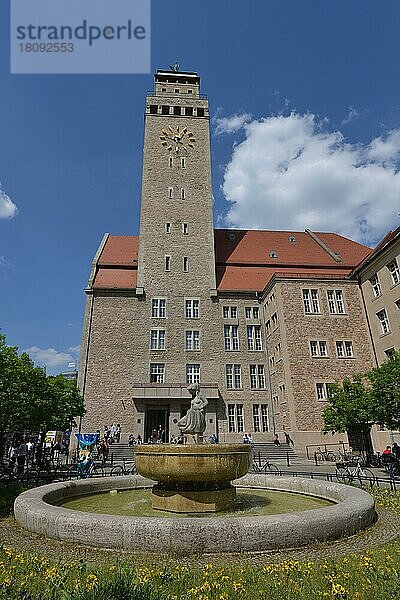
<point>310,88</point>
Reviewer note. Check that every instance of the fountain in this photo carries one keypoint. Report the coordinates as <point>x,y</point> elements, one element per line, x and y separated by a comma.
<point>193,478</point>
<point>194,485</point>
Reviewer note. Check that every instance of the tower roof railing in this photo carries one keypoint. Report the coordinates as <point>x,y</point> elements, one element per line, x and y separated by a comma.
<point>153,94</point>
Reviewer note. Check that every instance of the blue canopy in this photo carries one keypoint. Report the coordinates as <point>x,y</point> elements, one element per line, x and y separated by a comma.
<point>87,439</point>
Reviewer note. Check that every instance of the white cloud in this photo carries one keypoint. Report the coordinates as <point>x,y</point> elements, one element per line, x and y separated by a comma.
<point>291,173</point>
<point>231,124</point>
<point>74,349</point>
<point>49,357</point>
<point>351,115</point>
<point>8,210</point>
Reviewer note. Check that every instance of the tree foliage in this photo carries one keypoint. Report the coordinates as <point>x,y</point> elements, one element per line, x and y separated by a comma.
<point>349,407</point>
<point>31,400</point>
<point>385,392</point>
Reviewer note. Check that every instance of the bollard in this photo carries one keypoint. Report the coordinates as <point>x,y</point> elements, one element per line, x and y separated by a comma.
<point>315,459</point>
<point>287,459</point>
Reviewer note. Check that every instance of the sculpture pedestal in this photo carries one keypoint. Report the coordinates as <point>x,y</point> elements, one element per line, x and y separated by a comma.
<point>193,498</point>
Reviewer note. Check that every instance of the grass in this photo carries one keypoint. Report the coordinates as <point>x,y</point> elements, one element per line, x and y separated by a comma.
<point>371,575</point>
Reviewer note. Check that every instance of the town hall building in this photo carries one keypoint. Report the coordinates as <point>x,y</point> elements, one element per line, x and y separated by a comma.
<point>264,320</point>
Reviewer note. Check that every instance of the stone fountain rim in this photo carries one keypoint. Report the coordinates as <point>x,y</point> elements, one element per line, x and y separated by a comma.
<point>354,510</point>
<point>192,449</point>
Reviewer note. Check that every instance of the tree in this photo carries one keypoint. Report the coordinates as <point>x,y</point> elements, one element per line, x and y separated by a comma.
<point>385,392</point>
<point>349,407</point>
<point>31,400</point>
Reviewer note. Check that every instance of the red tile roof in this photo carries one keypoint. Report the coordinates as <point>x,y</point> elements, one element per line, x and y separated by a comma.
<point>243,258</point>
<point>117,265</point>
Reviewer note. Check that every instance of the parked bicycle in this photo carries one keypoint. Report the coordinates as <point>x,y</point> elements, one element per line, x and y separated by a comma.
<point>127,468</point>
<point>322,455</point>
<point>347,474</point>
<point>265,467</point>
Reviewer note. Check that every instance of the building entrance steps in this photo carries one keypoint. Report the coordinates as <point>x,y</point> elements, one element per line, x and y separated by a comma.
<point>268,450</point>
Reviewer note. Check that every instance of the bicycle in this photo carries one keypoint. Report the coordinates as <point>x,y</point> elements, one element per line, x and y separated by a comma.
<point>264,467</point>
<point>345,474</point>
<point>119,470</point>
<point>322,455</point>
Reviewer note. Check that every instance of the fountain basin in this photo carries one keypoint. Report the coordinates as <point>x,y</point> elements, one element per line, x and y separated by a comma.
<point>193,478</point>
<point>353,511</point>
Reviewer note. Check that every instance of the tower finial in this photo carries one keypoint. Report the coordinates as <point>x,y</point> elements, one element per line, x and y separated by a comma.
<point>175,67</point>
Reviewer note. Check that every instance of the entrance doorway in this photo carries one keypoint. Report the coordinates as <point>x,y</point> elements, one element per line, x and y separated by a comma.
<point>156,426</point>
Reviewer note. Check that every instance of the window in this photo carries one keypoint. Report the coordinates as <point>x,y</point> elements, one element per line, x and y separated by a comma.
<point>167,263</point>
<point>189,111</point>
<point>185,229</point>
<point>260,416</point>
<point>254,341</point>
<point>390,352</point>
<point>231,337</point>
<point>192,340</point>
<point>192,309</point>
<point>235,418</point>
<point>190,91</point>
<point>200,112</point>
<point>344,349</point>
<point>183,162</point>
<point>163,89</point>
<point>157,372</point>
<point>183,194</point>
<point>384,321</point>
<point>176,91</point>
<point>167,227</point>
<point>153,109</point>
<point>230,312</point>
<point>233,377</point>
<point>192,374</point>
<point>268,326</point>
<point>158,307</point>
<point>251,312</point>
<point>170,193</point>
<point>335,302</point>
<point>322,390</point>
<point>257,377</point>
<point>318,349</point>
<point>376,286</point>
<point>165,110</point>
<point>311,301</point>
<point>157,339</point>
<point>171,161</point>
<point>185,264</point>
<point>394,272</point>
<point>177,110</point>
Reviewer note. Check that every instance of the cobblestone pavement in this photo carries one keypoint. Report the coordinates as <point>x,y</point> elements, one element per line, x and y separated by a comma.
<point>386,530</point>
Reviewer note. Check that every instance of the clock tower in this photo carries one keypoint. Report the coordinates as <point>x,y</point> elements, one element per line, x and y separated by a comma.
<point>176,249</point>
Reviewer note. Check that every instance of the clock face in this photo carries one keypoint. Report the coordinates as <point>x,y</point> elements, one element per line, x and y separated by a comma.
<point>178,139</point>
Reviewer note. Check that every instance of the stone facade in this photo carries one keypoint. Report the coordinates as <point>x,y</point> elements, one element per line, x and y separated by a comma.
<point>184,302</point>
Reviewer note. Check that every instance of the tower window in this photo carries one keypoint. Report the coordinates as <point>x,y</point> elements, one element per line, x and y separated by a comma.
<point>170,161</point>
<point>165,110</point>
<point>176,91</point>
<point>153,109</point>
<point>177,110</point>
<point>170,193</point>
<point>185,264</point>
<point>185,228</point>
<point>183,194</point>
<point>183,162</point>
<point>200,112</point>
<point>189,111</point>
<point>190,91</point>
<point>163,89</point>
<point>167,263</point>
<point>167,227</point>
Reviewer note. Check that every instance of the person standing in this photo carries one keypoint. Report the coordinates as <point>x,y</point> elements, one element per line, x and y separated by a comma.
<point>21,456</point>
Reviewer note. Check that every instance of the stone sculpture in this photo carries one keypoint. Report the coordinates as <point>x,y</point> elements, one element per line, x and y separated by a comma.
<point>194,422</point>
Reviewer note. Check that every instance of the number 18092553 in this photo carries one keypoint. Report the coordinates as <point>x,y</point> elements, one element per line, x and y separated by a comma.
<point>54,47</point>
